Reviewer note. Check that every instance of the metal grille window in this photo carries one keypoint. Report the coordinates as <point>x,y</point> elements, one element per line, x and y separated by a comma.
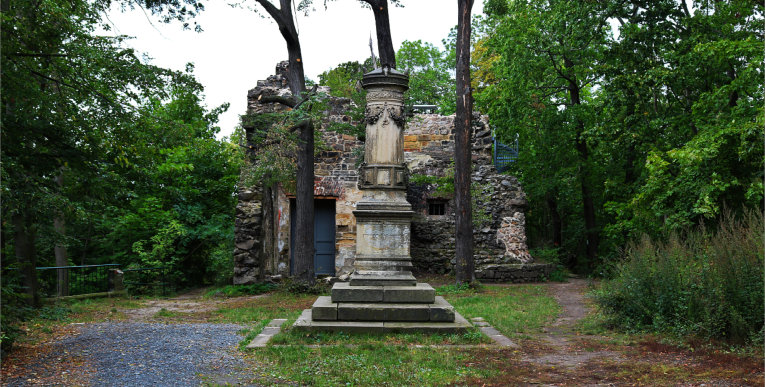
<point>436,207</point>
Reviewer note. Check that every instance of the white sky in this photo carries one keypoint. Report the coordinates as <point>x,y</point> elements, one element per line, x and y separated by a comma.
<point>238,47</point>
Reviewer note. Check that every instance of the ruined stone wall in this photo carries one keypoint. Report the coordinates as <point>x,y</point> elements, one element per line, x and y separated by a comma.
<point>499,233</point>
<point>498,198</point>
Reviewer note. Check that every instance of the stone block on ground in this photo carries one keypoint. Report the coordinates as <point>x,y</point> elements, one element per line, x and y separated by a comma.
<point>441,310</point>
<point>382,312</point>
<point>420,293</point>
<point>344,292</point>
<point>324,309</point>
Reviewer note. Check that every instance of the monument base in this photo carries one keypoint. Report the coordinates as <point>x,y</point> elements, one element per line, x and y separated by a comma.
<point>381,309</point>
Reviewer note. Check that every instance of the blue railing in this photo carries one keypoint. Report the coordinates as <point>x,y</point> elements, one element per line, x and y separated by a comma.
<point>505,154</point>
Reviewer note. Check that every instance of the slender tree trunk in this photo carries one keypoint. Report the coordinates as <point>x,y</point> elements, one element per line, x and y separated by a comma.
<point>588,204</point>
<point>264,255</point>
<point>557,225</point>
<point>24,243</point>
<point>462,160</point>
<point>382,26</point>
<point>304,212</point>
<point>59,250</point>
<point>303,269</point>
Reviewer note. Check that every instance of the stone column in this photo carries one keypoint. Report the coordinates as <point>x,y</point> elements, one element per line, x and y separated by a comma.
<point>383,216</point>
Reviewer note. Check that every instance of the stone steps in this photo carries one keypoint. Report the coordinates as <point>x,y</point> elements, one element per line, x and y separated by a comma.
<point>306,323</point>
<point>420,293</point>
<point>438,311</point>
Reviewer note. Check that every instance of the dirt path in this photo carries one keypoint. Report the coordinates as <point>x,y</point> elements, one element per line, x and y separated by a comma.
<point>563,344</point>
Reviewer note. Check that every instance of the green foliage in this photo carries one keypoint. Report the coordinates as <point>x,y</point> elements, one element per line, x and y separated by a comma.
<point>16,308</point>
<point>668,127</point>
<point>430,75</point>
<point>462,289</point>
<point>133,143</point>
<point>241,290</point>
<point>707,283</point>
<point>299,287</point>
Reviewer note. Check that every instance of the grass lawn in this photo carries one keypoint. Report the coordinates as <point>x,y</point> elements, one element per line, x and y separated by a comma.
<point>395,360</point>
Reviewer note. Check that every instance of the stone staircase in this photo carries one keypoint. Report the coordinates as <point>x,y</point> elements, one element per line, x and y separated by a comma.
<point>382,309</point>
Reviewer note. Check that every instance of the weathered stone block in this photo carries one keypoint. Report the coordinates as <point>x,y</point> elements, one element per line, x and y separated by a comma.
<point>420,293</point>
<point>441,310</point>
<point>344,292</point>
<point>324,309</point>
<point>383,312</point>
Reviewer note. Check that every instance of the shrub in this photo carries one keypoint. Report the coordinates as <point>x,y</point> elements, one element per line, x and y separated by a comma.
<point>706,283</point>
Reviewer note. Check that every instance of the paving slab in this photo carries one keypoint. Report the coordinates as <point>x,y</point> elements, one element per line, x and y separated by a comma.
<point>270,330</point>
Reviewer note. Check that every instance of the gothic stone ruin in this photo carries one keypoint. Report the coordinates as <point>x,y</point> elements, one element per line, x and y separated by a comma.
<point>501,254</point>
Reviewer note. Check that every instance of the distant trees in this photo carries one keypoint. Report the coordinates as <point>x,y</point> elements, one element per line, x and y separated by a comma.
<point>120,152</point>
<point>631,119</point>
<point>430,75</point>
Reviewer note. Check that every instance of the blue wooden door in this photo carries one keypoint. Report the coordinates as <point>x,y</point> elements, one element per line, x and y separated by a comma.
<point>323,236</point>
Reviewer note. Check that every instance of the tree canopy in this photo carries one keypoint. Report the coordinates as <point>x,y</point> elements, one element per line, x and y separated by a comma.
<point>653,114</point>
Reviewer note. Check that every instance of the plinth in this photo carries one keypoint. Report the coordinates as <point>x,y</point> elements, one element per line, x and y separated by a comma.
<point>383,295</point>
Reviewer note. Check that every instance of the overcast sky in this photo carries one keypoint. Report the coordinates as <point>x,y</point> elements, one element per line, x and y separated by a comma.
<point>238,47</point>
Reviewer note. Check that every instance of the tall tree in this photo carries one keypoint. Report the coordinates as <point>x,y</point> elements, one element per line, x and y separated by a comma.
<point>382,26</point>
<point>302,268</point>
<point>462,149</point>
<point>549,55</point>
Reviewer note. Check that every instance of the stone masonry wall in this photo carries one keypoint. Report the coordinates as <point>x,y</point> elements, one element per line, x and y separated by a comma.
<point>499,235</point>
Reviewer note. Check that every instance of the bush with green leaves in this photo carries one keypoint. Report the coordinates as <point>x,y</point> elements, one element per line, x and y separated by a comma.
<point>704,283</point>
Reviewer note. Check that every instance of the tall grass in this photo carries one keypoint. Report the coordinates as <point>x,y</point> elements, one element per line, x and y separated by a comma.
<point>705,283</point>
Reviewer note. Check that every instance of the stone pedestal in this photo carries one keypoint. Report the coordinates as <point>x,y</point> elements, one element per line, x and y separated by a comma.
<point>382,294</point>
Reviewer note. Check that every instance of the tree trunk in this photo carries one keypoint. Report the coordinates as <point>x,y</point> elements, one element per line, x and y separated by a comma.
<point>382,26</point>
<point>557,225</point>
<point>24,243</point>
<point>462,160</point>
<point>59,250</point>
<point>303,255</point>
<point>264,255</point>
<point>588,205</point>
<point>304,211</point>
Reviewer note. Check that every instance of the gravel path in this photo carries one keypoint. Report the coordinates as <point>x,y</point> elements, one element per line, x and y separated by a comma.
<point>150,354</point>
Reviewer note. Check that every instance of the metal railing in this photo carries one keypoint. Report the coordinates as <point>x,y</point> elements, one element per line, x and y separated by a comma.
<point>55,281</point>
<point>146,279</point>
<point>505,154</point>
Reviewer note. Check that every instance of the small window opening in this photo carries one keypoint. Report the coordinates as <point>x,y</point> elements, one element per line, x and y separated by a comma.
<point>436,207</point>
